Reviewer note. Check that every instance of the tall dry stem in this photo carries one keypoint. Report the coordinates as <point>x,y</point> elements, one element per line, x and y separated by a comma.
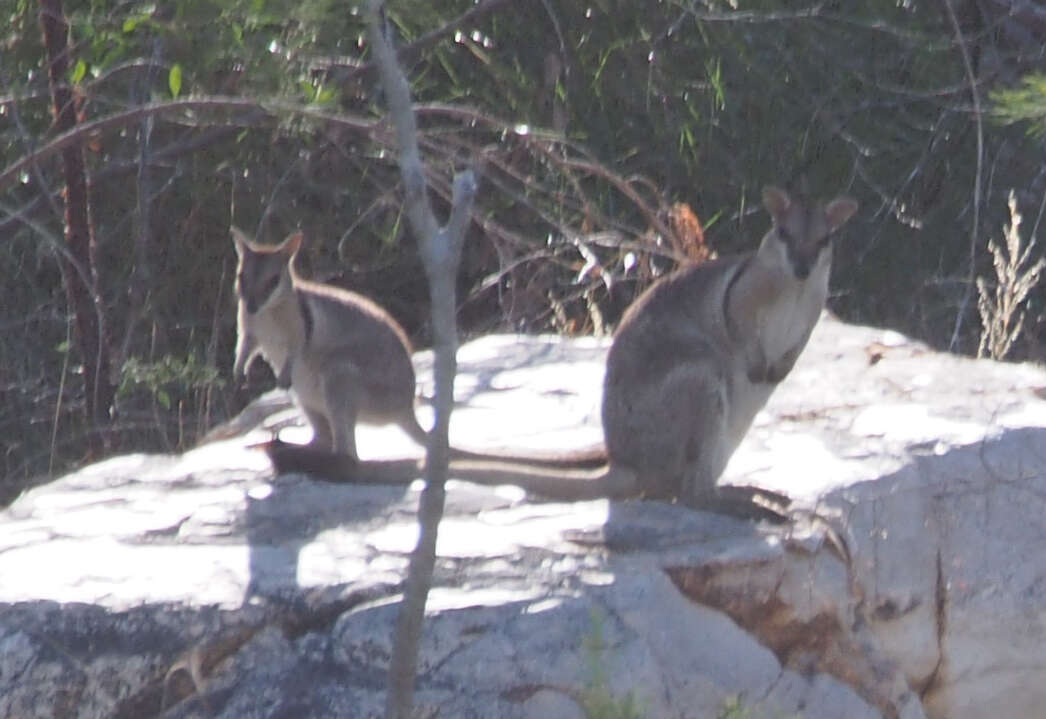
<point>1002,310</point>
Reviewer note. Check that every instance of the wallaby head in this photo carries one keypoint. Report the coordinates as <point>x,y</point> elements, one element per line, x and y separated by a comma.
<point>805,228</point>
<point>263,269</point>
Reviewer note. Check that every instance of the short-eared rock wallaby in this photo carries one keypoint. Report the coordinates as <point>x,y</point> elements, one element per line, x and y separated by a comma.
<point>344,358</point>
<point>692,361</point>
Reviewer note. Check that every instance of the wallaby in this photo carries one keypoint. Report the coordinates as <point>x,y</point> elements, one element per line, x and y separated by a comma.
<point>693,360</point>
<point>344,358</point>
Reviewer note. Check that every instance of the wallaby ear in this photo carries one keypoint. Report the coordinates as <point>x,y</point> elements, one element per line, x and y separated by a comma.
<point>776,201</point>
<point>292,244</point>
<point>239,239</point>
<point>838,211</point>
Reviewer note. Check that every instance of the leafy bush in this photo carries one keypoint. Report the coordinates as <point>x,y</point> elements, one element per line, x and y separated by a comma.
<point>591,124</point>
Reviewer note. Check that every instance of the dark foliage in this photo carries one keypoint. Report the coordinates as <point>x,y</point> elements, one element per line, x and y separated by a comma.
<point>613,139</point>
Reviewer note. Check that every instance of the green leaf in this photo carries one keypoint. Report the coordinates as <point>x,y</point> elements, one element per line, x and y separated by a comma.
<point>325,96</point>
<point>130,24</point>
<point>78,72</point>
<point>174,80</point>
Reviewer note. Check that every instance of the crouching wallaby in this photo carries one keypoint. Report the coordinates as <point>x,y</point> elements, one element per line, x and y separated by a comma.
<point>692,362</point>
<point>344,358</point>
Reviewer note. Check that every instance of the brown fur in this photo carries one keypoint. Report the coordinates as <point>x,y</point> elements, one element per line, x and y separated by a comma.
<point>693,360</point>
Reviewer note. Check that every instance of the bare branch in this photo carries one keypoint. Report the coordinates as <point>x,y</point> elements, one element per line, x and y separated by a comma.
<point>978,118</point>
<point>461,209</point>
<point>440,250</point>
<point>756,16</point>
<point>397,96</point>
<point>171,151</point>
<point>122,119</point>
<point>409,53</point>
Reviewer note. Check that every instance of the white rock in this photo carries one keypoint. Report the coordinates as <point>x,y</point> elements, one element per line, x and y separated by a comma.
<point>915,566</point>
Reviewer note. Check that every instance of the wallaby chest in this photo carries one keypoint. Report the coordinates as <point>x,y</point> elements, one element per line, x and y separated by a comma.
<point>784,326</point>
<point>278,329</point>
<point>771,311</point>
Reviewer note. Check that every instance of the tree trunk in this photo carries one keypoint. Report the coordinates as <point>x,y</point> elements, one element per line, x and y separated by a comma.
<point>440,250</point>
<point>79,272</point>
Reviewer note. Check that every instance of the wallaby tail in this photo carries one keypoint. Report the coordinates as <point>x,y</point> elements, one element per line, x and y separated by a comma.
<point>573,483</point>
<point>588,458</point>
<point>567,484</point>
<point>330,466</point>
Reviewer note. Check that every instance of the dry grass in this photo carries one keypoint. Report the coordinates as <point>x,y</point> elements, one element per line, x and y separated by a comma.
<point>1002,308</point>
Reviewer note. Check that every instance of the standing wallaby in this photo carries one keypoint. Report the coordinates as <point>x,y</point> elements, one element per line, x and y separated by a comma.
<point>344,358</point>
<point>693,360</point>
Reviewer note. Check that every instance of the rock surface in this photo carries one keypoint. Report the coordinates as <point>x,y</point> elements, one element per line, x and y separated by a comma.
<point>909,584</point>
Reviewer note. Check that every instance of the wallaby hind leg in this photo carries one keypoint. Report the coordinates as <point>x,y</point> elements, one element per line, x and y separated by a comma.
<point>707,458</point>
<point>322,437</point>
<point>408,422</point>
<point>342,392</point>
<point>708,444</point>
<point>680,453</point>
